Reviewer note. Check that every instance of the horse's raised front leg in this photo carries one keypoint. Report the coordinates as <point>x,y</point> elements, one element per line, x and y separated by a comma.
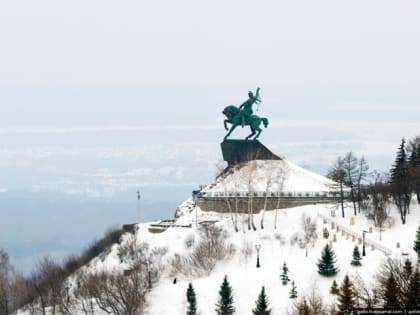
<point>230,131</point>
<point>225,124</point>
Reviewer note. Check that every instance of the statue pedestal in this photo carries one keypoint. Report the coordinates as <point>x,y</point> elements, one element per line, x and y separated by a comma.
<point>238,151</point>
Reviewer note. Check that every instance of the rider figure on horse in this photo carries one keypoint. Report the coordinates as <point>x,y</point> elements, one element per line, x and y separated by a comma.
<point>246,107</point>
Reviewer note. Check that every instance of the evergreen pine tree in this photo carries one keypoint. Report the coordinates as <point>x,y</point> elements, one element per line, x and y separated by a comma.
<point>416,246</point>
<point>303,308</point>
<point>356,257</point>
<point>397,172</point>
<point>225,304</point>
<point>326,265</point>
<point>407,269</point>
<point>415,169</point>
<point>293,292</point>
<point>261,305</point>
<point>284,278</point>
<point>346,295</point>
<point>391,292</point>
<point>413,292</point>
<point>334,288</point>
<point>401,182</point>
<point>191,300</point>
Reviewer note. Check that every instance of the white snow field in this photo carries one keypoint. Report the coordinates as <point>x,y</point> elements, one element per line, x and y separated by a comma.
<point>168,298</point>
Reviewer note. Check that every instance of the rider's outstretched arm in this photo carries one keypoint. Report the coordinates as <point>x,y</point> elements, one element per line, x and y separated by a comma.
<point>257,95</point>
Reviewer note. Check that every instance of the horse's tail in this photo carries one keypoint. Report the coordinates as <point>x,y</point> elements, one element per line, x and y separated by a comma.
<point>265,122</point>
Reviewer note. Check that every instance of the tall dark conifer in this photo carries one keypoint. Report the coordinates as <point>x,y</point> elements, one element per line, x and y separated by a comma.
<point>413,292</point>
<point>326,265</point>
<point>416,246</point>
<point>407,269</point>
<point>225,304</point>
<point>191,300</point>
<point>261,305</point>
<point>390,295</point>
<point>400,182</point>
<point>346,296</point>
<point>415,169</point>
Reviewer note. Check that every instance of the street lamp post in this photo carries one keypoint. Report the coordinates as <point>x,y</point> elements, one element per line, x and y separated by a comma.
<point>195,195</point>
<point>138,206</point>
<point>258,247</point>
<point>364,245</point>
<point>67,287</point>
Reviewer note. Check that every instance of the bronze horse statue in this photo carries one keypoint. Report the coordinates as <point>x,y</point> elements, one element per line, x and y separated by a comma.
<point>234,117</point>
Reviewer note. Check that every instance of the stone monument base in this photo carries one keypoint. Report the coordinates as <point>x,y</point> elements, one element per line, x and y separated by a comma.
<point>239,151</point>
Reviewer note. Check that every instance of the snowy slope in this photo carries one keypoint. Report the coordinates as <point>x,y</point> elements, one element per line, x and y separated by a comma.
<point>271,175</point>
<point>276,248</point>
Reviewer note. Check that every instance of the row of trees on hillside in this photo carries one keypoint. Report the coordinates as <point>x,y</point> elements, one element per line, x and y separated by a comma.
<point>372,191</point>
<point>274,179</point>
<point>350,172</point>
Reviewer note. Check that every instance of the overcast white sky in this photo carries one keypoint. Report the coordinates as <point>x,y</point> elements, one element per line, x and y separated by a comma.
<point>98,98</point>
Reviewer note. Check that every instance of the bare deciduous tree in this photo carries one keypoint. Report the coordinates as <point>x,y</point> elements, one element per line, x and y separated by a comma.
<point>251,168</point>
<point>380,199</point>
<point>268,185</point>
<point>350,164</point>
<point>221,170</point>
<point>338,174</point>
<point>309,231</point>
<point>281,176</point>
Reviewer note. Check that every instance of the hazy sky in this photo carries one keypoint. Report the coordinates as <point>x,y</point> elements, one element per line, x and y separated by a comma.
<point>100,98</point>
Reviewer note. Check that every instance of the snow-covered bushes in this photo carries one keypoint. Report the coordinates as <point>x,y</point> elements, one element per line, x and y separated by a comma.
<point>210,249</point>
<point>189,241</point>
<point>246,250</point>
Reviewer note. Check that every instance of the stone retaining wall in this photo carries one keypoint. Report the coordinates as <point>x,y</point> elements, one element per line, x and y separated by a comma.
<point>241,204</point>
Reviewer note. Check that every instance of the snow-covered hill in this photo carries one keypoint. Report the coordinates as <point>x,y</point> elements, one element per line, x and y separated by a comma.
<point>271,176</point>
<point>277,247</point>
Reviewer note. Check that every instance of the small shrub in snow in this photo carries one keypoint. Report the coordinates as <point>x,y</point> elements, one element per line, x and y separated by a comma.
<point>189,241</point>
<point>334,288</point>
<point>325,233</point>
<point>246,250</point>
<point>280,238</point>
<point>293,291</point>
<point>356,257</point>
<point>297,239</point>
<point>284,277</point>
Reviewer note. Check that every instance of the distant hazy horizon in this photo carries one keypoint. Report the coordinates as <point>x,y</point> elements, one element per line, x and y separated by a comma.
<point>99,99</point>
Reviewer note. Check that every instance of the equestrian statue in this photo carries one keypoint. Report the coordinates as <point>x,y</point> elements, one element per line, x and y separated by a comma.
<point>244,116</point>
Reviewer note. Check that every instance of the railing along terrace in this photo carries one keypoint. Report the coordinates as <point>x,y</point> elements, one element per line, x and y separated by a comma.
<point>368,241</point>
<point>263,194</point>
